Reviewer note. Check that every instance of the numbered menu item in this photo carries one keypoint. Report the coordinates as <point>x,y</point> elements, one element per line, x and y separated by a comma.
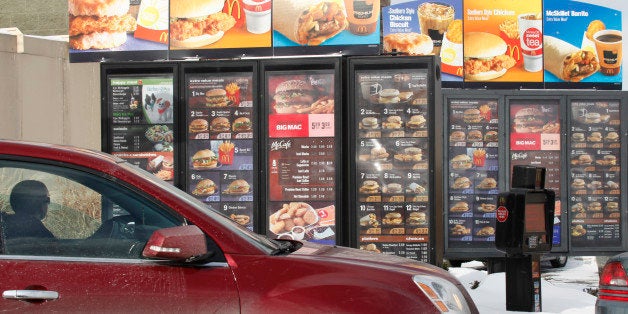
<point>595,173</point>
<point>142,114</point>
<point>473,171</point>
<point>220,146</point>
<point>393,183</point>
<point>301,156</point>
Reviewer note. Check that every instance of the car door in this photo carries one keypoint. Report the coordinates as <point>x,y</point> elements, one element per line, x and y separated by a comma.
<point>94,260</point>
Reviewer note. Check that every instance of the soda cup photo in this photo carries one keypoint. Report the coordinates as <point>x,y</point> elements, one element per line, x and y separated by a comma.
<point>531,37</point>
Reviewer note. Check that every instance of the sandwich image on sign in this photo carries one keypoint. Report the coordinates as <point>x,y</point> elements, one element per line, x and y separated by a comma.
<point>204,159</point>
<point>204,187</point>
<point>99,24</point>
<point>198,23</point>
<point>293,96</point>
<point>567,62</point>
<point>309,23</point>
<point>485,56</point>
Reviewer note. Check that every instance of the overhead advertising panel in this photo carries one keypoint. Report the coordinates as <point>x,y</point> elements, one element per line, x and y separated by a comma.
<point>426,28</point>
<point>213,28</point>
<point>326,26</point>
<point>503,41</point>
<point>117,30</point>
<point>583,43</point>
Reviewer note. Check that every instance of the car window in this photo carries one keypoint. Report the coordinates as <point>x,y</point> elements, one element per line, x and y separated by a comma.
<point>47,210</point>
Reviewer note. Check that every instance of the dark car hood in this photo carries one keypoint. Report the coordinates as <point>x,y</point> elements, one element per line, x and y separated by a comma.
<point>369,259</point>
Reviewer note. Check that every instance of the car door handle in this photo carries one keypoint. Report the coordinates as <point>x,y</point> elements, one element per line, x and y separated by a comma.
<point>30,295</point>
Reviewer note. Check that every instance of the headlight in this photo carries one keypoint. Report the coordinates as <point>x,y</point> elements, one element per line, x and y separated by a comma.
<point>445,296</point>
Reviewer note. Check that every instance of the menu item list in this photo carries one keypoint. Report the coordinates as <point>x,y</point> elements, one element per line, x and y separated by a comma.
<point>142,114</point>
<point>220,143</point>
<point>595,173</point>
<point>535,141</point>
<point>393,162</point>
<point>302,156</point>
<point>473,172</point>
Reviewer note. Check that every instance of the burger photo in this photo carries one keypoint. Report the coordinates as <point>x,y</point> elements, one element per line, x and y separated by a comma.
<point>204,187</point>
<point>416,122</point>
<point>578,184</point>
<point>461,183</point>
<point>457,136</point>
<point>491,136</point>
<point>485,56</point>
<point>237,187</point>
<point>392,122</point>
<point>204,159</point>
<point>369,187</point>
<point>529,120</point>
<point>242,124</point>
<point>472,115</point>
<point>198,125</point>
<point>393,188</point>
<point>460,207</point>
<point>99,24</point>
<point>292,96</point>
<point>220,124</point>
<point>611,136</point>
<point>216,97</point>
<point>474,136</point>
<point>389,96</point>
<point>461,162</point>
<point>198,23</point>
<point>487,183</point>
<point>595,137</point>
<point>416,218</point>
<point>370,123</point>
<point>577,137</point>
<point>379,153</point>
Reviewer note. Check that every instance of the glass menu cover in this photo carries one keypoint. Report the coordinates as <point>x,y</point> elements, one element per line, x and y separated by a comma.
<point>142,115</point>
<point>301,154</point>
<point>220,142</point>
<point>393,178</point>
<point>535,140</point>
<point>595,173</point>
<point>473,181</point>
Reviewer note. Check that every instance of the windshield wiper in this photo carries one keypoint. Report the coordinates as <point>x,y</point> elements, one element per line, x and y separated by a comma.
<point>285,247</point>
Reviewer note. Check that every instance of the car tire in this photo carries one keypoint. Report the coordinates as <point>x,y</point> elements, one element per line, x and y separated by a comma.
<point>559,261</point>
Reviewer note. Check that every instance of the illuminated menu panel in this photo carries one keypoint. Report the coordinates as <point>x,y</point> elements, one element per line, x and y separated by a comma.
<point>393,183</point>
<point>595,173</point>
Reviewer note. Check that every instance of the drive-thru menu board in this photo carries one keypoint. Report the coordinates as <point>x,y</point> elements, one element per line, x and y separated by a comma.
<point>392,173</point>
<point>535,141</point>
<point>220,137</point>
<point>595,173</point>
<point>301,154</point>
<point>473,172</point>
<point>142,112</point>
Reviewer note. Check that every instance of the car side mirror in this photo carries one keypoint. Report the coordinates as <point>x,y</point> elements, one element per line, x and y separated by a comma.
<point>182,243</point>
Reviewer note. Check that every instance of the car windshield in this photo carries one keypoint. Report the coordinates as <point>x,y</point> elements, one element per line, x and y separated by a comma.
<point>263,242</point>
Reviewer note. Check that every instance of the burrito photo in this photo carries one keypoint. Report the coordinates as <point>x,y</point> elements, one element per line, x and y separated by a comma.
<point>309,22</point>
<point>568,62</point>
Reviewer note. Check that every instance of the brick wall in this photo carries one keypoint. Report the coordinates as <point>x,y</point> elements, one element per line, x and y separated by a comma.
<point>35,17</point>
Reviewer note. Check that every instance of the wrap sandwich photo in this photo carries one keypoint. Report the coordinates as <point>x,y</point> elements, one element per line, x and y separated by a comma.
<point>566,61</point>
<point>309,22</point>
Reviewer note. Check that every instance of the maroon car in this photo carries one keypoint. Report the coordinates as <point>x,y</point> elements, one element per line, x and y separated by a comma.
<point>84,231</point>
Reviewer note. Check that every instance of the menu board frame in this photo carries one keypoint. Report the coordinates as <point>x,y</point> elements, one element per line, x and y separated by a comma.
<point>223,75</point>
<point>328,228</point>
<point>603,149</point>
<point>563,98</point>
<point>138,70</point>
<point>359,68</point>
<point>467,249</point>
<point>561,197</point>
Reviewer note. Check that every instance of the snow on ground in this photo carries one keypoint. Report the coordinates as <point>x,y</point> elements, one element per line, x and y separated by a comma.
<point>563,290</point>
